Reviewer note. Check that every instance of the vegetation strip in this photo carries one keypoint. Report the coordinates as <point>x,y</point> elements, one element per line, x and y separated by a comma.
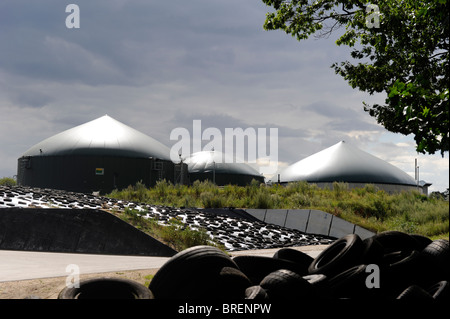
<point>368,207</point>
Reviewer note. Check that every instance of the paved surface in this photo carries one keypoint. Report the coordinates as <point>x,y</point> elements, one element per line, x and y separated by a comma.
<point>24,265</point>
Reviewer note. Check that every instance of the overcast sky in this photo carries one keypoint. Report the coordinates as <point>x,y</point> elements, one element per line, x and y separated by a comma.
<point>159,65</point>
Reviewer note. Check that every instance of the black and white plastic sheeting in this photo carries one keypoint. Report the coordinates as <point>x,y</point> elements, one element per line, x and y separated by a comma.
<point>235,229</point>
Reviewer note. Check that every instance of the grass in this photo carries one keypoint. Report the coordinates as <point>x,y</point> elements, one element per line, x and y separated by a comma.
<point>368,207</point>
<point>175,234</point>
<point>148,278</point>
<point>7,181</point>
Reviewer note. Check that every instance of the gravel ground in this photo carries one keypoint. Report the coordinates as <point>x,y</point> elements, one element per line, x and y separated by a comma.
<point>49,288</point>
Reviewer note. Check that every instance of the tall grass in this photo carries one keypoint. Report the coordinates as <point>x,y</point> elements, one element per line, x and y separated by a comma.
<point>368,207</point>
<point>175,233</point>
<point>7,181</point>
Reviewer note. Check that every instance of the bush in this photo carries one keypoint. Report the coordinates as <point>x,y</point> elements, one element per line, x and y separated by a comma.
<point>339,189</point>
<point>209,200</point>
<point>263,200</point>
<point>181,237</point>
<point>175,233</point>
<point>161,188</point>
<point>301,187</point>
<point>7,181</point>
<point>301,200</point>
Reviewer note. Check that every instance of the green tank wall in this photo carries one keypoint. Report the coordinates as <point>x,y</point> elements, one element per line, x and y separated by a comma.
<point>87,174</point>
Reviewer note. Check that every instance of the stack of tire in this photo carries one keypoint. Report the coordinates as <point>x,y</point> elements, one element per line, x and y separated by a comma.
<point>388,265</point>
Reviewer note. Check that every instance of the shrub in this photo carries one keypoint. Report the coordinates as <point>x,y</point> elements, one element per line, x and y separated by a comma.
<point>209,200</point>
<point>368,207</point>
<point>339,189</point>
<point>161,188</point>
<point>300,200</point>
<point>175,233</point>
<point>263,200</point>
<point>7,181</point>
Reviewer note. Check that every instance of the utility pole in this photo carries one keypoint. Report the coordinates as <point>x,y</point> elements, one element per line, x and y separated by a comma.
<point>181,170</point>
<point>214,167</point>
<point>416,171</point>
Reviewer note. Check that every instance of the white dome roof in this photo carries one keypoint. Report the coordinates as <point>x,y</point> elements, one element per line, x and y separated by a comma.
<point>207,161</point>
<point>345,163</point>
<point>104,136</point>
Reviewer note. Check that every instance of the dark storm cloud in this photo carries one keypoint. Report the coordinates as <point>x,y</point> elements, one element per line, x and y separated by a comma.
<point>121,42</point>
<point>158,65</point>
<point>223,121</point>
<point>341,118</point>
<point>34,99</point>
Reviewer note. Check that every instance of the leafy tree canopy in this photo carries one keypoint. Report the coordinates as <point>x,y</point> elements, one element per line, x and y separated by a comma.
<point>399,47</point>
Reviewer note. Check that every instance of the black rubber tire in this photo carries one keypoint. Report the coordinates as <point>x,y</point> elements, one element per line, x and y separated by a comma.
<point>107,288</point>
<point>400,259</point>
<point>440,291</point>
<point>422,241</point>
<point>342,254</point>
<point>284,285</point>
<point>401,269</point>
<point>414,292</point>
<point>193,273</point>
<point>320,284</point>
<point>258,267</point>
<point>396,241</point>
<point>372,251</point>
<point>439,250</point>
<point>302,259</point>
<point>437,256</point>
<point>233,283</point>
<point>256,293</point>
<point>316,279</point>
<point>349,283</point>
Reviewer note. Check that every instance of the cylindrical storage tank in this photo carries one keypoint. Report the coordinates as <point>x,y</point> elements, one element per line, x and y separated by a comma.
<point>101,155</point>
<point>345,163</point>
<point>220,169</point>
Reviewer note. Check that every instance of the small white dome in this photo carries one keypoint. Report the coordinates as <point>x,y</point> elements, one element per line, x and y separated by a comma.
<point>207,161</point>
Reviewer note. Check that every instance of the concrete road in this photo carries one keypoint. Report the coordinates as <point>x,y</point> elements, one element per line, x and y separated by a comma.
<point>23,265</point>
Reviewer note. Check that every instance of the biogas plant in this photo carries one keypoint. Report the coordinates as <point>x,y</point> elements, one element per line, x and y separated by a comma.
<point>105,154</point>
